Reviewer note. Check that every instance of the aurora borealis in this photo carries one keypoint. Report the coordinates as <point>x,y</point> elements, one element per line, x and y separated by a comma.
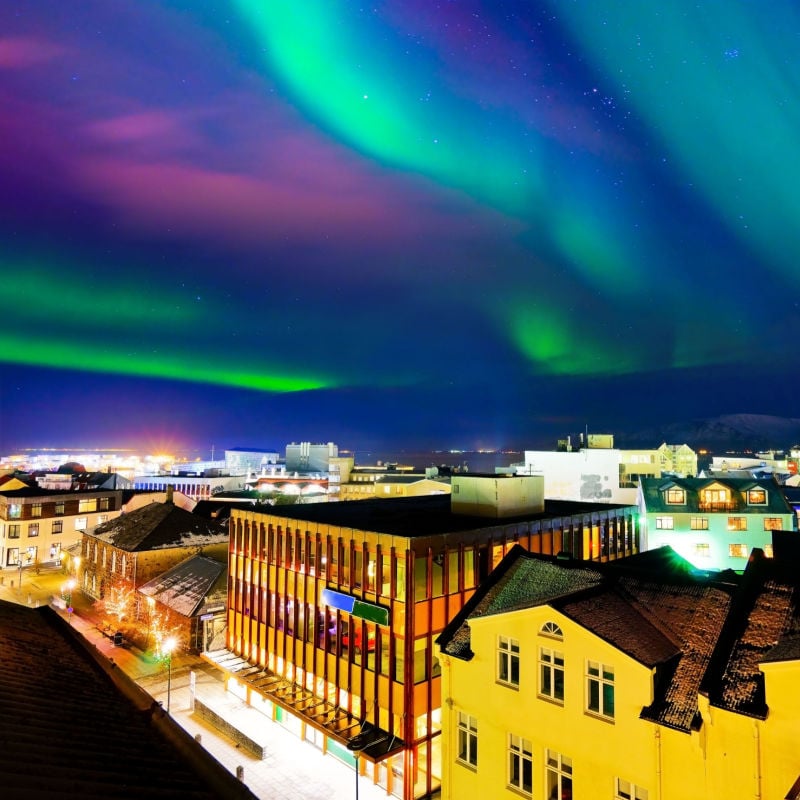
<point>466,224</point>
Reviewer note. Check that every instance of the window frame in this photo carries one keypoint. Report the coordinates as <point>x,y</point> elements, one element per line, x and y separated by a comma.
<point>520,765</point>
<point>698,523</point>
<point>508,661</point>
<point>597,684</point>
<point>467,740</point>
<point>675,497</point>
<point>759,492</point>
<point>549,666</point>
<point>558,767</point>
<point>737,550</point>
<point>737,524</point>
<point>665,523</point>
<point>631,791</point>
<point>773,523</point>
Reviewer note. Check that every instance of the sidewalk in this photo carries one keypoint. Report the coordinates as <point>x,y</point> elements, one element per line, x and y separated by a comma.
<point>291,769</point>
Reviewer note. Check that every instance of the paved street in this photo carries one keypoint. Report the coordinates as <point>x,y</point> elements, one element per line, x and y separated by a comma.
<point>291,769</point>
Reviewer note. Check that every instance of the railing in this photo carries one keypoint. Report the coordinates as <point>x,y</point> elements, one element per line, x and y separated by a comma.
<point>718,505</point>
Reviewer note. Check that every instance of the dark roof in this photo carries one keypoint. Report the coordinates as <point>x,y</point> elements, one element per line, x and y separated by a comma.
<point>184,587</point>
<point>427,515</point>
<point>158,526</point>
<point>71,726</point>
<point>671,622</point>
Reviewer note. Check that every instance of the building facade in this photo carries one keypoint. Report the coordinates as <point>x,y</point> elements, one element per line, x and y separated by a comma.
<point>714,523</point>
<point>37,525</point>
<point>333,609</point>
<point>567,680</point>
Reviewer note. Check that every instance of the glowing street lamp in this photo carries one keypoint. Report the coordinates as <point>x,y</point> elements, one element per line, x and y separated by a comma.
<point>167,648</point>
<point>69,587</point>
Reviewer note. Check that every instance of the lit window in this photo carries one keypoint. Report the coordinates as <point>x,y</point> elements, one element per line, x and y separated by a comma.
<point>715,496</point>
<point>676,497</point>
<point>664,523</point>
<point>737,523</point>
<point>600,689</point>
<point>36,510</point>
<point>773,524</point>
<point>520,764</point>
<point>59,508</point>
<point>85,506</point>
<point>737,550</point>
<point>702,550</point>
<point>625,790</point>
<point>757,497</point>
<point>58,526</point>
<point>559,776</point>
<point>13,531</point>
<point>33,529</point>
<point>768,552</point>
<point>80,523</point>
<point>14,510</point>
<point>467,740</point>
<point>698,523</point>
<point>508,661</point>
<point>105,503</point>
<point>551,674</point>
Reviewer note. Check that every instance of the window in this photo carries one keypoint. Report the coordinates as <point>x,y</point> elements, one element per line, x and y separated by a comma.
<point>702,550</point>
<point>33,529</point>
<point>84,506</point>
<point>551,674</point>
<point>467,740</point>
<point>737,524</point>
<point>508,661</point>
<point>756,497</point>
<point>600,689</point>
<point>715,496</point>
<point>773,524</point>
<point>13,531</point>
<point>36,510</point>
<point>559,776</point>
<point>676,497</point>
<point>58,526</point>
<point>14,510</point>
<point>551,629</point>
<point>737,550</point>
<point>105,503</point>
<point>767,548</point>
<point>520,764</point>
<point>698,523</point>
<point>625,790</point>
<point>12,556</point>
<point>664,523</point>
<point>80,523</point>
<point>101,518</point>
<point>59,508</point>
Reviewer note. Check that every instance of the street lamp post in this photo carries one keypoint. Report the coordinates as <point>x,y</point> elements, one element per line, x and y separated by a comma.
<point>70,586</point>
<point>167,649</point>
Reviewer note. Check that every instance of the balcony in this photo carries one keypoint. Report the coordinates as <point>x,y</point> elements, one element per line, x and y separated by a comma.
<point>718,505</point>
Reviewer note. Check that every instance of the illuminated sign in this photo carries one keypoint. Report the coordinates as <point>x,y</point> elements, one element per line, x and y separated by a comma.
<point>356,608</point>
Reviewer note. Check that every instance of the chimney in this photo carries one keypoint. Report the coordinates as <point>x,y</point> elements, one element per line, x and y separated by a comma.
<point>169,492</point>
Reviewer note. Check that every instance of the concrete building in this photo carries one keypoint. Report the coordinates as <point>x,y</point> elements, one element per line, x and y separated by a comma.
<point>241,461</point>
<point>36,524</point>
<point>308,457</point>
<point>625,680</point>
<point>602,473</point>
<point>714,523</point>
<point>333,608</point>
<point>198,487</point>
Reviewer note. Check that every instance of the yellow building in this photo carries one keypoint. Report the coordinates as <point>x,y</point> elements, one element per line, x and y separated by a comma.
<point>333,608</point>
<point>632,681</point>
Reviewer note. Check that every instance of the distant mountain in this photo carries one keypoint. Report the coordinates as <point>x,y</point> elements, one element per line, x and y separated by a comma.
<point>730,432</point>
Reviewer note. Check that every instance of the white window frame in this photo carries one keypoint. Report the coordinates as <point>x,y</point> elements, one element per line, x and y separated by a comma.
<point>599,677</point>
<point>665,523</point>
<point>625,790</point>
<point>520,765</point>
<point>508,661</point>
<point>467,750</point>
<point>551,663</point>
<point>558,775</point>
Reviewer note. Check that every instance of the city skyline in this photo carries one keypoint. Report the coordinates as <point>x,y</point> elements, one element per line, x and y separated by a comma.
<point>476,225</point>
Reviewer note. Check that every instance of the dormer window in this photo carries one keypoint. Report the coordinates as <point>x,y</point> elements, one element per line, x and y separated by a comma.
<point>756,497</point>
<point>552,630</point>
<point>676,497</point>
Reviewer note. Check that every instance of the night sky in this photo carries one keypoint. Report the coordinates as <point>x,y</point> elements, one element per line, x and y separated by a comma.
<point>472,223</point>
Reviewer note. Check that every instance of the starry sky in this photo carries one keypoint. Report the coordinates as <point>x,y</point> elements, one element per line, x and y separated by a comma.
<point>466,223</point>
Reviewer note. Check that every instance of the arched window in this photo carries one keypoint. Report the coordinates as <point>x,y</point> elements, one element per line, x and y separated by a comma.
<point>551,629</point>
